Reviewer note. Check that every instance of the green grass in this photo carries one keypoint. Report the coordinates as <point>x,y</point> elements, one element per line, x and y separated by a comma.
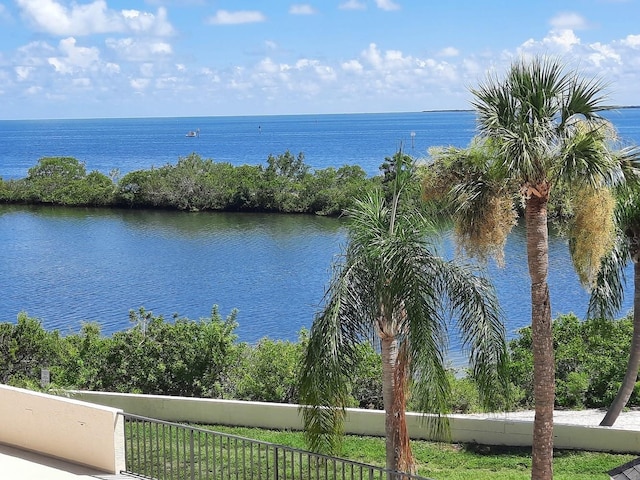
<point>456,462</point>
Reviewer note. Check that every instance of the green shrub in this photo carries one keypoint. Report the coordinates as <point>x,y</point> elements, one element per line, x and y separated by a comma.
<point>591,358</point>
<point>268,371</point>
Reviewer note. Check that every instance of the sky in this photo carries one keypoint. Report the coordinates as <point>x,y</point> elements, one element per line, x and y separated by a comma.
<point>183,58</point>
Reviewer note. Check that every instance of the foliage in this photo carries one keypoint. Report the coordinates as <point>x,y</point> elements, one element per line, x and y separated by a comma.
<point>268,371</point>
<point>590,361</point>
<point>25,348</point>
<point>64,181</point>
<point>185,357</point>
<point>539,127</point>
<point>593,232</point>
<point>286,184</point>
<point>391,289</point>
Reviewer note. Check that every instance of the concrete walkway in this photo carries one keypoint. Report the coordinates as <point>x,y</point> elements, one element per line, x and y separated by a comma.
<point>18,464</point>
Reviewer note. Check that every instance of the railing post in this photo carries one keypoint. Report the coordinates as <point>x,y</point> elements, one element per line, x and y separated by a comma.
<point>275,463</point>
<point>192,455</point>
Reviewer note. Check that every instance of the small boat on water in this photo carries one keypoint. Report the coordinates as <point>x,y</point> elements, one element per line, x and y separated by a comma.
<point>193,133</point>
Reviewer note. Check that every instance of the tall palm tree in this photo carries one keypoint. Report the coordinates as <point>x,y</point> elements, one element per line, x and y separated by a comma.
<point>392,289</point>
<point>539,131</point>
<point>607,293</point>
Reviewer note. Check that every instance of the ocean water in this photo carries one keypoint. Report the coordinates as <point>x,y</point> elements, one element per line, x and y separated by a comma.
<point>143,143</point>
<point>325,140</point>
<point>66,266</point>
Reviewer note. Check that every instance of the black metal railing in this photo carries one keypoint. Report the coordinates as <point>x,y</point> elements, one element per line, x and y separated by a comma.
<point>160,450</point>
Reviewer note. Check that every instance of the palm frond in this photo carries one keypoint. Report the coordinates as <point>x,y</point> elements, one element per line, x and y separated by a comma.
<point>607,293</point>
<point>475,304</point>
<point>329,359</point>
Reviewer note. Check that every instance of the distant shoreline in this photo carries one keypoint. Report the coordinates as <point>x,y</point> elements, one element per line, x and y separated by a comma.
<point>454,110</point>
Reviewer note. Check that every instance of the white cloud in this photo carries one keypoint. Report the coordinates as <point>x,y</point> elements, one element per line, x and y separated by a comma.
<point>387,5</point>
<point>632,41</point>
<point>145,22</point>
<point>556,42</point>
<point>35,53</point>
<point>23,72</point>
<point>352,66</point>
<point>568,20</point>
<point>391,59</point>
<point>603,53</point>
<point>139,83</point>
<point>74,59</point>
<point>137,50</point>
<point>267,65</point>
<point>352,5</point>
<point>224,17</point>
<point>302,9</point>
<point>56,18</point>
<point>449,52</point>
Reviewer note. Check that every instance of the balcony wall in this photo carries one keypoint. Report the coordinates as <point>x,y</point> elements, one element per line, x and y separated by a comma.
<point>69,429</point>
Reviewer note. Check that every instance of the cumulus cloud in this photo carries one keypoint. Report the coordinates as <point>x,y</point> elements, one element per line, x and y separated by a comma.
<point>632,41</point>
<point>352,5</point>
<point>145,22</point>
<point>556,42</point>
<point>353,66</point>
<point>74,58</point>
<point>390,59</point>
<point>224,17</point>
<point>56,18</point>
<point>449,52</point>
<point>568,20</point>
<point>387,5</point>
<point>302,9</point>
<point>23,72</point>
<point>136,50</point>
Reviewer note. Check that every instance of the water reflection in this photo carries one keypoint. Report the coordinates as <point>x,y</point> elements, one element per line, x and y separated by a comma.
<point>67,265</point>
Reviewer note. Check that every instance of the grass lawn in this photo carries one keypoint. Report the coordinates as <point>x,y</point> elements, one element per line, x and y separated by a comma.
<point>456,462</point>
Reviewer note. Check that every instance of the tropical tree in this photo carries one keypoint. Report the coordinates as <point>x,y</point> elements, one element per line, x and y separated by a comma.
<point>540,132</point>
<point>391,289</point>
<point>607,294</point>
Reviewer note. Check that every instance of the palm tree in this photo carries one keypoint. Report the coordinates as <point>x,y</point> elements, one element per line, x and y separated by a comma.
<point>539,132</point>
<point>607,293</point>
<point>392,289</point>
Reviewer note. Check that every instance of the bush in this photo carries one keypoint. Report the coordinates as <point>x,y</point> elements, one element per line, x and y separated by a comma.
<point>268,371</point>
<point>285,185</point>
<point>591,358</point>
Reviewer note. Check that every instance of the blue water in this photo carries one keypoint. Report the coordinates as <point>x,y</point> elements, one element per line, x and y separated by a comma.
<point>142,143</point>
<point>69,265</point>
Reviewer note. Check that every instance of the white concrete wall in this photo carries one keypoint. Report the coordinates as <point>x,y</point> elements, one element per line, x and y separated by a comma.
<point>489,430</point>
<point>72,430</point>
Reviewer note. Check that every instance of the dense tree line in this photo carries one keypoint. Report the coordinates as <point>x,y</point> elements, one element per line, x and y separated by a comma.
<point>203,358</point>
<point>286,184</point>
<point>180,356</point>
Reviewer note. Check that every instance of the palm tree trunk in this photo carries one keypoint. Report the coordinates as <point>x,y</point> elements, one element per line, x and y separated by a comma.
<point>631,376</point>
<point>394,383</point>
<point>542,335</point>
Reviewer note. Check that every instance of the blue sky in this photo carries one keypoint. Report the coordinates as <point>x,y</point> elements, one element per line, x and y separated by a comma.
<point>140,58</point>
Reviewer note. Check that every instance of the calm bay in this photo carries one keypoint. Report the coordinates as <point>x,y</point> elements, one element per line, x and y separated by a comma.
<point>66,266</point>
